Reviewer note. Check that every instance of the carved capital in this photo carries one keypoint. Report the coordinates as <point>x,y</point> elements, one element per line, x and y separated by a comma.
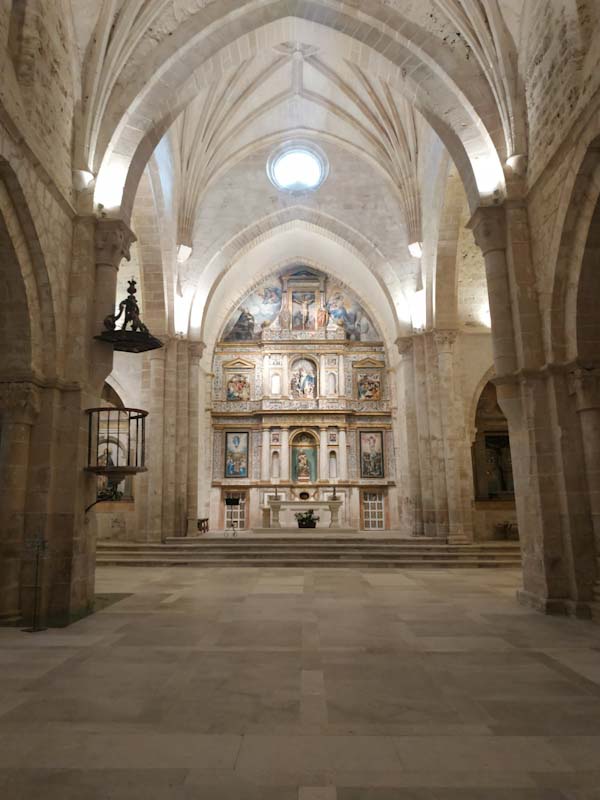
<point>112,242</point>
<point>20,402</point>
<point>585,385</point>
<point>196,350</point>
<point>405,345</point>
<point>444,340</point>
<point>488,224</point>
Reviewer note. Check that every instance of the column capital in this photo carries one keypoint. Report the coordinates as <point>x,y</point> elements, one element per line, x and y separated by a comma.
<point>20,401</point>
<point>444,340</point>
<point>585,385</point>
<point>488,224</point>
<point>113,240</point>
<point>196,350</point>
<point>404,345</point>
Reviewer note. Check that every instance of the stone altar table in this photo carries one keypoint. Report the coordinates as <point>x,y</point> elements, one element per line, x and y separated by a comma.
<point>272,511</point>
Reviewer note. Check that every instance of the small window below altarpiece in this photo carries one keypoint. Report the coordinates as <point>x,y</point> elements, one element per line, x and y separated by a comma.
<point>373,511</point>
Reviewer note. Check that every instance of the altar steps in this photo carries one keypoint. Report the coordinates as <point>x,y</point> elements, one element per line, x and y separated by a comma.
<point>286,552</point>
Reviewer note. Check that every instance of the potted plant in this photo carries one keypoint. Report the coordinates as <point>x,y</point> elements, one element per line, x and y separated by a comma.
<point>307,519</point>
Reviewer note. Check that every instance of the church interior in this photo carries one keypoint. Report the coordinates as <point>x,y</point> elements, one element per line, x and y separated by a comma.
<point>300,399</point>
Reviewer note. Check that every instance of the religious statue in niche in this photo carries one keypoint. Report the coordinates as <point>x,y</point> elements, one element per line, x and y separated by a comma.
<point>302,466</point>
<point>238,387</point>
<point>303,382</point>
<point>371,454</point>
<point>304,459</point>
<point>369,386</point>
<point>236,454</point>
<point>303,311</point>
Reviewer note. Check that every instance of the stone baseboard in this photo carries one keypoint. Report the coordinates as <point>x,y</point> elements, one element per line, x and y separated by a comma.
<point>557,606</point>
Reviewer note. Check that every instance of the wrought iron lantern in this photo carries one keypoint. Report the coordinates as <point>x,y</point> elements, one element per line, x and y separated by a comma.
<point>116,446</point>
<point>138,338</point>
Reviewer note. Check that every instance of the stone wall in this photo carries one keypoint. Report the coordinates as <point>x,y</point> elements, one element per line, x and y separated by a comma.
<point>40,82</point>
<point>560,64</point>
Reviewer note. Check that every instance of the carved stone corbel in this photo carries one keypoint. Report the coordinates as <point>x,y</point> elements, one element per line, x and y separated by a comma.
<point>196,350</point>
<point>488,224</point>
<point>405,346</point>
<point>113,241</point>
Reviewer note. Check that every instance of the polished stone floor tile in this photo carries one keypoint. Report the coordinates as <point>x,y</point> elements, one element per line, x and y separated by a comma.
<point>275,684</point>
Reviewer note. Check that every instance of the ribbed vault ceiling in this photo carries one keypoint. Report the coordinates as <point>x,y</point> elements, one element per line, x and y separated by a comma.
<point>268,77</point>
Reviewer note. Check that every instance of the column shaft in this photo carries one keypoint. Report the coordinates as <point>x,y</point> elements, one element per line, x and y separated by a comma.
<point>285,454</point>
<point>265,470</point>
<point>343,455</point>
<point>14,465</point>
<point>323,456</point>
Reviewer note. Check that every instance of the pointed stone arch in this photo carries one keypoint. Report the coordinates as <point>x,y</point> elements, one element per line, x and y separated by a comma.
<point>580,207</point>
<point>29,329</point>
<point>314,248</point>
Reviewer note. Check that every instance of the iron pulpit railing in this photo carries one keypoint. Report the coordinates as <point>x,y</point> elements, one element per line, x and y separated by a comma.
<point>116,442</point>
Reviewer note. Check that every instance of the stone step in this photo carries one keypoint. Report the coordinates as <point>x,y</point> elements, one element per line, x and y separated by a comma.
<point>302,552</point>
<point>269,553</point>
<point>261,544</point>
<point>300,556</point>
<point>299,547</point>
<point>136,561</point>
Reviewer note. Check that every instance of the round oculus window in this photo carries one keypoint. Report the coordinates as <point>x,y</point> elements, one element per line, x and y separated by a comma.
<point>297,168</point>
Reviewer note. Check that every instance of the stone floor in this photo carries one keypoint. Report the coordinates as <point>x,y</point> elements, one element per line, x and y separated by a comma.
<point>255,684</point>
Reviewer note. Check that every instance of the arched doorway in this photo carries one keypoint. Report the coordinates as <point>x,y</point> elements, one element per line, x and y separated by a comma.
<point>494,509</point>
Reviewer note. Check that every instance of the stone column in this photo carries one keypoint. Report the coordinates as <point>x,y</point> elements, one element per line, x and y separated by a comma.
<point>177,447</point>
<point>19,409</point>
<point>323,456</point>
<point>586,386</point>
<point>409,489</point>
<point>206,442</point>
<point>285,376</point>
<point>423,437</point>
<point>525,394</point>
<point>489,228</point>
<point>154,445</point>
<point>343,455</point>
<point>285,455</point>
<point>323,390</point>
<point>266,377</point>
<point>265,469</point>
<point>436,437</point>
<point>459,529</point>
<point>195,354</point>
